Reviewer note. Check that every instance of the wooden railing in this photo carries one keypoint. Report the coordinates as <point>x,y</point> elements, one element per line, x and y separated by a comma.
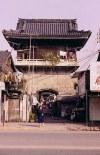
<point>41,62</point>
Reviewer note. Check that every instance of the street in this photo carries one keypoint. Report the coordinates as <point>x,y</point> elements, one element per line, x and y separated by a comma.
<point>47,152</point>
<point>29,143</point>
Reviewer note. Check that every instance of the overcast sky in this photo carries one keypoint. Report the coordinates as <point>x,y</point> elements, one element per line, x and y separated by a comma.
<point>86,12</point>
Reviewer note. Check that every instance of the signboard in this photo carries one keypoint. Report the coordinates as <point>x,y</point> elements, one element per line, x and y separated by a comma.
<point>2,85</point>
<point>82,84</point>
<point>95,76</point>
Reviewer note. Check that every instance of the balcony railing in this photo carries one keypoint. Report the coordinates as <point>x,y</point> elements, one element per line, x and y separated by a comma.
<point>41,62</point>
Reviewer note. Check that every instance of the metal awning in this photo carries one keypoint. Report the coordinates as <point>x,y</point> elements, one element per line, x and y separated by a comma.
<point>86,64</point>
<point>66,99</point>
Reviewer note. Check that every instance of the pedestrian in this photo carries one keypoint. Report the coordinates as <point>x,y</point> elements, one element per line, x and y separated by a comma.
<point>40,115</point>
<point>42,101</point>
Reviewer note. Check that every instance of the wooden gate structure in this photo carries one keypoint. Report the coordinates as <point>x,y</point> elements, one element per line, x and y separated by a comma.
<point>13,110</point>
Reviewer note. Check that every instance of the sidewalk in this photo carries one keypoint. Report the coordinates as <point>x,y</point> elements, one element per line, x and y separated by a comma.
<point>46,127</point>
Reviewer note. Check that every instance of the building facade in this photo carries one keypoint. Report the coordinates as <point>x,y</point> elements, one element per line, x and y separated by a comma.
<point>89,88</point>
<point>46,52</point>
<point>9,94</point>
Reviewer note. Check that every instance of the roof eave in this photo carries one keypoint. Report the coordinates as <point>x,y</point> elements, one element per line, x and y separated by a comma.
<point>77,74</point>
<point>70,35</point>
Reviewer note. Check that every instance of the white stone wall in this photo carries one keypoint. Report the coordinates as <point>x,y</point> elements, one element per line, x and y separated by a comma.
<point>25,108</point>
<point>21,110</point>
<point>6,110</point>
<point>63,83</point>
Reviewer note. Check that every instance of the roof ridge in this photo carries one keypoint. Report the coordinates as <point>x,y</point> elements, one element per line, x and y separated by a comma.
<point>47,19</point>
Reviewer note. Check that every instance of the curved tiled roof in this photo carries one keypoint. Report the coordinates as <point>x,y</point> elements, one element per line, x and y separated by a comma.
<point>71,34</point>
<point>53,28</point>
<point>56,32</point>
<point>46,27</point>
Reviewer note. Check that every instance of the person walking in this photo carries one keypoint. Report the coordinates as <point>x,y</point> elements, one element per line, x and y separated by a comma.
<point>40,116</point>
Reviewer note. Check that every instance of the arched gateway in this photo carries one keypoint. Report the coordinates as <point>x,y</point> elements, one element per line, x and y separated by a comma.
<point>48,99</point>
<point>46,93</point>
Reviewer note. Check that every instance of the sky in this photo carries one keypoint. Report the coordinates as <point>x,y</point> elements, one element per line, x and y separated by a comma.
<point>86,12</point>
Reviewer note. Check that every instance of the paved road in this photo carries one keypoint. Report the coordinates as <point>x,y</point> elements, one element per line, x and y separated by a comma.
<point>29,143</point>
<point>47,152</point>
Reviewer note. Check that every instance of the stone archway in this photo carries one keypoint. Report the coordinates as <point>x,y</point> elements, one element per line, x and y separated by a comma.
<point>46,92</point>
<point>48,96</point>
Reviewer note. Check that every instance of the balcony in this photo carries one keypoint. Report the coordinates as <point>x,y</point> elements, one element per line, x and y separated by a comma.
<point>41,62</point>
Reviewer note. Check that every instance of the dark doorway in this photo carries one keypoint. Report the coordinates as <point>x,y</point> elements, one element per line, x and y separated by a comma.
<point>48,96</point>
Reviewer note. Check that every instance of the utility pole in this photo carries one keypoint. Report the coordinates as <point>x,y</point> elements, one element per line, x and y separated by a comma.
<point>33,70</point>
<point>86,106</point>
<point>98,39</point>
<point>29,53</point>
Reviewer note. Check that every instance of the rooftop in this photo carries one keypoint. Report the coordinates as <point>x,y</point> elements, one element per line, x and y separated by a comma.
<point>48,27</point>
<point>48,31</point>
<point>86,64</point>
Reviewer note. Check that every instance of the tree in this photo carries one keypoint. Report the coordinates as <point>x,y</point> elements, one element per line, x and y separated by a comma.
<point>51,58</point>
<point>22,84</point>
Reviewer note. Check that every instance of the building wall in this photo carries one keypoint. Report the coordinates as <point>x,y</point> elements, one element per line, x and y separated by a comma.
<point>25,108</point>
<point>6,110</point>
<point>94,109</point>
<point>13,110</point>
<point>17,110</point>
<point>63,83</point>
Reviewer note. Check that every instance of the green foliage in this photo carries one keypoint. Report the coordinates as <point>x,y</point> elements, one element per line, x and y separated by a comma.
<point>22,84</point>
<point>31,116</point>
<point>51,57</point>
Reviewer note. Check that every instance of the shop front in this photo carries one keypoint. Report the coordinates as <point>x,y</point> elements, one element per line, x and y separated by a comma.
<point>94,97</point>
<point>94,108</point>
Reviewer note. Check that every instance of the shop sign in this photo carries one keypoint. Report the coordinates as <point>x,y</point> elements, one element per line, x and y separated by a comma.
<point>95,76</point>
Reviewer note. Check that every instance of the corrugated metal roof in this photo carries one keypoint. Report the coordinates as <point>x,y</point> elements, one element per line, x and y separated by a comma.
<point>65,98</point>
